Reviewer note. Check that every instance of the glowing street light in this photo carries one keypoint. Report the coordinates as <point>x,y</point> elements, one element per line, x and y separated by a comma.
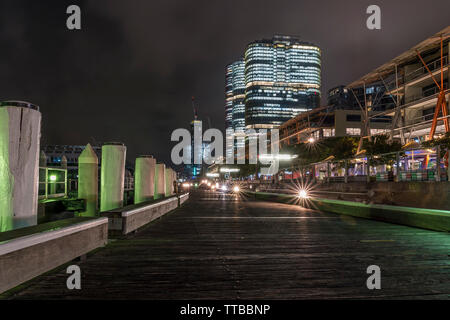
<point>213,175</point>
<point>235,189</point>
<point>303,194</point>
<point>280,156</point>
<point>229,170</point>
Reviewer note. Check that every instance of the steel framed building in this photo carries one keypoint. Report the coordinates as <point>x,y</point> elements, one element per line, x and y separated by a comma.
<point>417,81</point>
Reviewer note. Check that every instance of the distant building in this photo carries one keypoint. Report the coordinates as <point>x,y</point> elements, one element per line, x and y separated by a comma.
<point>277,79</point>
<point>327,122</point>
<point>235,95</point>
<point>55,153</point>
<point>238,85</point>
<point>229,97</point>
<point>193,170</point>
<point>282,79</point>
<point>343,98</point>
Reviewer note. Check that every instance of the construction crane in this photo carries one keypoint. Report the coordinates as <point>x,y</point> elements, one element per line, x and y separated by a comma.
<point>193,108</point>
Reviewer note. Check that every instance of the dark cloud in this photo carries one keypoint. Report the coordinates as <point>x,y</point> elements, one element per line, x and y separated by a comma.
<point>129,74</point>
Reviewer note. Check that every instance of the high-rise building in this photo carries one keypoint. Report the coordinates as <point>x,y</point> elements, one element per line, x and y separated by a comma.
<point>235,94</point>
<point>282,79</point>
<point>197,152</point>
<point>238,81</point>
<point>229,97</point>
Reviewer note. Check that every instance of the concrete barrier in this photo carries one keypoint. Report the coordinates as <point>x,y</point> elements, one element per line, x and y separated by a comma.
<point>29,252</point>
<point>122,221</point>
<point>183,198</point>
<point>431,219</point>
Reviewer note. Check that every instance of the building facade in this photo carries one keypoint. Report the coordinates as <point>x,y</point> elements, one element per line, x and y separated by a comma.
<point>238,83</point>
<point>326,122</point>
<point>282,79</point>
<point>229,97</point>
<point>276,80</point>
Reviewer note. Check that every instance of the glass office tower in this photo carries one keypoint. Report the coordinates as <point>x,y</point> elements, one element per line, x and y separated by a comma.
<point>238,82</point>
<point>229,97</point>
<point>234,104</point>
<point>235,94</point>
<point>282,79</point>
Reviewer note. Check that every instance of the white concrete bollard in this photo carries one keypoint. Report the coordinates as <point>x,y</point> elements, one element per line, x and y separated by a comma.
<point>144,179</point>
<point>20,133</point>
<point>88,180</point>
<point>168,189</point>
<point>112,176</point>
<point>160,180</point>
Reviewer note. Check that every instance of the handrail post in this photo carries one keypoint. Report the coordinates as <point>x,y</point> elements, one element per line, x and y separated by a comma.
<point>328,172</point>
<point>438,163</point>
<point>346,171</point>
<point>397,160</point>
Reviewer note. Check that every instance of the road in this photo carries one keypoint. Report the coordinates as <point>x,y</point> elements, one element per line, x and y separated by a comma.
<point>217,247</point>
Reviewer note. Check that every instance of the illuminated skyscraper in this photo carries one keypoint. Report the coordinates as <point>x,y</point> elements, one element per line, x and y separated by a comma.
<point>282,79</point>
<point>238,84</point>
<point>235,94</point>
<point>229,97</point>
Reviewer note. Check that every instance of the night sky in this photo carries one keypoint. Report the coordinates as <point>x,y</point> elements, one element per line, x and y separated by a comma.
<point>131,71</point>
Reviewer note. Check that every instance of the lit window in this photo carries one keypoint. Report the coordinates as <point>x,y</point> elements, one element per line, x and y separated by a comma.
<point>353,131</point>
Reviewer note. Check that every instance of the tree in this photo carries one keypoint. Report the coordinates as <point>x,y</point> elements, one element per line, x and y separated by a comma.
<point>381,151</point>
<point>339,147</point>
<point>246,170</point>
<point>443,141</point>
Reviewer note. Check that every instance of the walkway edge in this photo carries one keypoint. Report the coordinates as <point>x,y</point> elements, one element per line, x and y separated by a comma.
<point>431,219</point>
<point>123,221</point>
<point>23,258</point>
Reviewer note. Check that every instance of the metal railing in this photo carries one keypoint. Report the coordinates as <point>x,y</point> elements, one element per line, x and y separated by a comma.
<point>433,66</point>
<point>52,183</point>
<point>417,73</point>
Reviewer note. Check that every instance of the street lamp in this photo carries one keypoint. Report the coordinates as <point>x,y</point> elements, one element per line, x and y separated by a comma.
<point>303,194</point>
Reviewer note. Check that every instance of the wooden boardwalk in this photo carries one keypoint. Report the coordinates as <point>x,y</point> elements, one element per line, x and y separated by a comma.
<point>216,248</point>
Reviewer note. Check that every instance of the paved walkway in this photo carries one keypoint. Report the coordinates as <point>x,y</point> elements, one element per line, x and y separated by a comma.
<point>216,248</point>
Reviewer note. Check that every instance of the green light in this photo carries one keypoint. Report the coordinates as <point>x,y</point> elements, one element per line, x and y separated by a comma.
<point>6,177</point>
<point>52,177</point>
